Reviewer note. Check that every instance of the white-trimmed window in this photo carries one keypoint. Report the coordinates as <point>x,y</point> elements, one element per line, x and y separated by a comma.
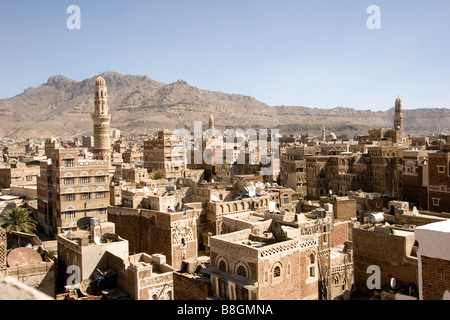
<point>70,197</point>
<point>277,272</point>
<point>68,162</point>
<point>312,265</point>
<point>436,202</point>
<point>70,214</point>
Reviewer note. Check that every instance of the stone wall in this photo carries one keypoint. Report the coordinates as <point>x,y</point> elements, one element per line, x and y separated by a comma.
<point>40,276</point>
<point>390,252</point>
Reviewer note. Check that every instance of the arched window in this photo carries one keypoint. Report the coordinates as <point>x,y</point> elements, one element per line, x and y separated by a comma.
<point>277,272</point>
<point>241,271</point>
<point>222,266</point>
<point>312,266</point>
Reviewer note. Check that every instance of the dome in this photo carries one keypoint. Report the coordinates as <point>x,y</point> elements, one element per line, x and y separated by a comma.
<point>100,82</point>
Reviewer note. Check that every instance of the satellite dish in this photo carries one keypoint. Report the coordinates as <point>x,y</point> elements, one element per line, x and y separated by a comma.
<point>68,234</point>
<point>309,202</point>
<point>415,211</point>
<point>97,240</point>
<point>393,283</point>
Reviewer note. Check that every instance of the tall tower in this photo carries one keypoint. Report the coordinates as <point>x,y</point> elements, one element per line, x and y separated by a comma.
<point>211,121</point>
<point>398,117</point>
<point>323,133</point>
<point>101,119</point>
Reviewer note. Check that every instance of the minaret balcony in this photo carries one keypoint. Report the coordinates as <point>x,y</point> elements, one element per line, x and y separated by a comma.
<point>101,116</point>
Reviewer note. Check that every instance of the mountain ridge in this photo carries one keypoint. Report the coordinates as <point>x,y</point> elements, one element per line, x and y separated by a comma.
<point>138,103</point>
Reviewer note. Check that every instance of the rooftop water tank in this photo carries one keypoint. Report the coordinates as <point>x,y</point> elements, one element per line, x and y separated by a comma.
<point>374,218</point>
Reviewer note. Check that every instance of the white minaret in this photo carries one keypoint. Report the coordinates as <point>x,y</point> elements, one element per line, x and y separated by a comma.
<point>101,119</point>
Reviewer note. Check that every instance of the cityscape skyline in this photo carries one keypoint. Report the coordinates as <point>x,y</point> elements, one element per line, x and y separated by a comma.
<point>306,218</point>
<point>291,53</point>
<point>225,154</point>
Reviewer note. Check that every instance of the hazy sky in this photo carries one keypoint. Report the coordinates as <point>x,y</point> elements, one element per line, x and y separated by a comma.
<point>314,53</point>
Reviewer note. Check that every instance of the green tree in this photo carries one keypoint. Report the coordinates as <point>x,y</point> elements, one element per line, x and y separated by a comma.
<point>18,219</point>
<point>157,176</point>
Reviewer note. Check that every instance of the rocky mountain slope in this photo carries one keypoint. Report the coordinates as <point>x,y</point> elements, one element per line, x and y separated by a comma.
<point>62,107</point>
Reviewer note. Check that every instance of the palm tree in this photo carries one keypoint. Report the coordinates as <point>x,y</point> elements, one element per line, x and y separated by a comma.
<point>18,219</point>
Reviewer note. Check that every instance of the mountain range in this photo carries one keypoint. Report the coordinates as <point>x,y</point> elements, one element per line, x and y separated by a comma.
<point>61,107</point>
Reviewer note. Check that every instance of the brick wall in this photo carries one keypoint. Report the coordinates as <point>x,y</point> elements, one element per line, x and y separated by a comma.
<point>439,177</point>
<point>288,285</point>
<point>187,287</point>
<point>344,209</point>
<point>340,233</point>
<point>151,232</point>
<point>127,225</point>
<point>125,277</point>
<point>435,277</point>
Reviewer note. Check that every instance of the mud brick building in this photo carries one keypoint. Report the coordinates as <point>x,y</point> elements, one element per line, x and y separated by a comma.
<point>434,260</point>
<point>72,190</point>
<point>439,182</point>
<point>165,154</point>
<point>415,177</point>
<point>18,174</point>
<point>173,234</point>
<point>245,267</point>
<point>392,249</point>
